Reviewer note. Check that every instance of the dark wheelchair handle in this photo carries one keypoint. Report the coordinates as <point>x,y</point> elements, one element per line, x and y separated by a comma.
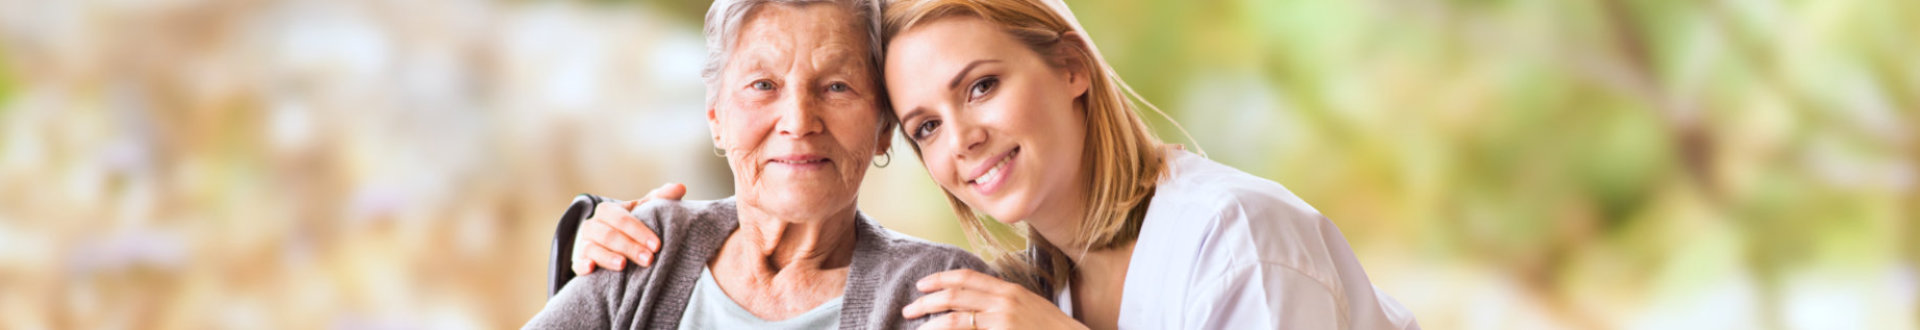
<point>561,257</point>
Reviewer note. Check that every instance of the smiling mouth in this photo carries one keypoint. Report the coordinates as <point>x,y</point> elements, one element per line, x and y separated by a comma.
<point>988,181</point>
<point>801,162</point>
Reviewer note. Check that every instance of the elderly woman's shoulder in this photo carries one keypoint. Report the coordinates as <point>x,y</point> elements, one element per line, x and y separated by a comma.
<point>919,256</point>
<point>668,215</point>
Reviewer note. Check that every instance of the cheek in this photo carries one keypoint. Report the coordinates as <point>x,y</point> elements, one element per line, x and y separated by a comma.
<point>939,165</point>
<point>742,133</point>
<point>855,130</point>
<point>858,125</point>
<point>1048,117</point>
<point>857,149</point>
<point>745,129</point>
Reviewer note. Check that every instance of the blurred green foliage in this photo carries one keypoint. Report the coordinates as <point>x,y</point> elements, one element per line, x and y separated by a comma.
<point>1495,163</point>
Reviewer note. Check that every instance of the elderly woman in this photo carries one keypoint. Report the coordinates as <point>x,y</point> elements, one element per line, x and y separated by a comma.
<point>794,100</point>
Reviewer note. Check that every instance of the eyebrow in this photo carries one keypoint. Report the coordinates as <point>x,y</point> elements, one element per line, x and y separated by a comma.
<point>963,72</point>
<point>917,111</point>
<point>911,115</point>
<point>834,58</point>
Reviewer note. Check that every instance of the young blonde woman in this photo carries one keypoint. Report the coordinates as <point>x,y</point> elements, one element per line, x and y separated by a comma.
<point>1017,116</point>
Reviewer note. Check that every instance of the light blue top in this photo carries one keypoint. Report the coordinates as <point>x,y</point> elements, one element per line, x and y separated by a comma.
<point>710,308</point>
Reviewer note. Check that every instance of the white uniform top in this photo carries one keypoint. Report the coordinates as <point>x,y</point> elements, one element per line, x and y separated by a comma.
<point>1223,249</point>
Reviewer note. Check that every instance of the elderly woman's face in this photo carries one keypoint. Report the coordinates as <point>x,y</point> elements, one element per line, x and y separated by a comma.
<point>798,110</point>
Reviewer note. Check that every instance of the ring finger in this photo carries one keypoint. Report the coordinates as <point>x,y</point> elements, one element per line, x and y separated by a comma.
<point>951,300</point>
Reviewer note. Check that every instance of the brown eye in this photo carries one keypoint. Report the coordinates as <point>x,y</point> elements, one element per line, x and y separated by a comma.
<point>925,129</point>
<point>839,87</point>
<point>982,87</point>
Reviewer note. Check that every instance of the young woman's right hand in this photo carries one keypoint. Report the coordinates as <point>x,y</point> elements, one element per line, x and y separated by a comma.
<point>613,236</point>
<point>974,300</point>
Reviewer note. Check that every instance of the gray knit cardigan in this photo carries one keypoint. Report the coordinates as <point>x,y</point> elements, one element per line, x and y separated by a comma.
<point>881,282</point>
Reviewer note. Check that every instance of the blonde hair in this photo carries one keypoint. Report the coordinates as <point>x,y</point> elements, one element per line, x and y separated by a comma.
<point>1123,157</point>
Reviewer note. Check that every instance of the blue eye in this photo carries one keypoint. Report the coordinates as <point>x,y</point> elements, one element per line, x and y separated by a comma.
<point>838,87</point>
<point>762,85</point>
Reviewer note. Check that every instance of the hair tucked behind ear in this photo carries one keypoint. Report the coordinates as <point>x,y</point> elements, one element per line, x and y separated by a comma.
<point>1123,158</point>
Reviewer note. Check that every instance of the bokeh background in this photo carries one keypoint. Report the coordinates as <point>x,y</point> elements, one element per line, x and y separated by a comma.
<point>1588,164</point>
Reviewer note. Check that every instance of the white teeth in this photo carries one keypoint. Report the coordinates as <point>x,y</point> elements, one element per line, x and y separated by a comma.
<point>987,177</point>
<point>993,173</point>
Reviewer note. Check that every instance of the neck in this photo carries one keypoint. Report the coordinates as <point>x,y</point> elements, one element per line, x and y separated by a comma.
<point>1060,222</point>
<point>1099,285</point>
<point>1061,227</point>
<point>778,244</point>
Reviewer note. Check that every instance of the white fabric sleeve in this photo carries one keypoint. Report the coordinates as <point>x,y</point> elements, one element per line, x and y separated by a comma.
<point>1263,296</point>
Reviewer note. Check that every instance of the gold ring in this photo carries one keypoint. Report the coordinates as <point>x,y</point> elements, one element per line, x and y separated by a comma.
<point>970,324</point>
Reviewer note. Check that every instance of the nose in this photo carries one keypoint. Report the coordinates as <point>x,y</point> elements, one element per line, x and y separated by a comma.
<point>969,138</point>
<point>800,118</point>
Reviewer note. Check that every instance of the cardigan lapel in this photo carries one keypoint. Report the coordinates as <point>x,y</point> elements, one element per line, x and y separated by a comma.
<point>707,231</point>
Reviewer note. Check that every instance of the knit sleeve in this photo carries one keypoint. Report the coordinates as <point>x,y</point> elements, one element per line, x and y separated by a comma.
<point>587,302</point>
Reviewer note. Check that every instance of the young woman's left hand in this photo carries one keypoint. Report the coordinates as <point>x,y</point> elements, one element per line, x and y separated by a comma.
<point>981,301</point>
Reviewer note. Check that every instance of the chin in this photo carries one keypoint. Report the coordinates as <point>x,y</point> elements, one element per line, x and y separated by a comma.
<point>802,202</point>
<point>1012,217</point>
<point>1005,211</point>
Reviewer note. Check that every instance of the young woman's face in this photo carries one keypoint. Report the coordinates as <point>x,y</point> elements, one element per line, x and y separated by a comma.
<point>995,121</point>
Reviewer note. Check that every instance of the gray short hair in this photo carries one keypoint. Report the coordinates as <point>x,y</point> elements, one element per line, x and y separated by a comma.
<point>725,18</point>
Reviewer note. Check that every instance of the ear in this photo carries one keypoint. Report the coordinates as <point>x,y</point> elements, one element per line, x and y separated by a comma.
<point>886,140</point>
<point>1075,53</point>
<point>713,127</point>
